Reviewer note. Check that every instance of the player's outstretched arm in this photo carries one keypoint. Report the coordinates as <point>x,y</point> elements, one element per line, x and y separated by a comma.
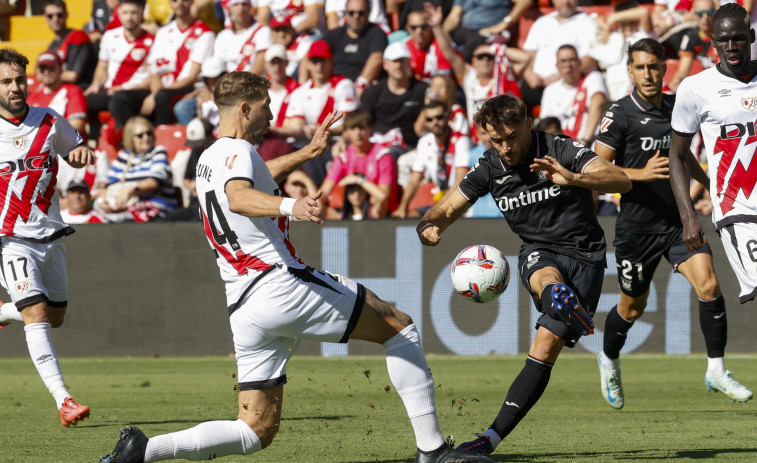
<point>80,157</point>
<point>598,175</point>
<point>440,216</point>
<point>693,235</point>
<point>319,144</point>
<point>249,202</point>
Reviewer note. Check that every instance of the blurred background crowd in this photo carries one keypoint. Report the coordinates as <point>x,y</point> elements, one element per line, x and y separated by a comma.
<point>136,78</point>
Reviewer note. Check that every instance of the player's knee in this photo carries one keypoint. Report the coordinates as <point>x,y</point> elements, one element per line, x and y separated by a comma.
<point>708,290</point>
<point>266,433</point>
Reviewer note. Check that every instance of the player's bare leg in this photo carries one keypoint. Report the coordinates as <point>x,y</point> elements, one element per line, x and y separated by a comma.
<point>38,319</point>
<point>700,272</point>
<point>380,322</point>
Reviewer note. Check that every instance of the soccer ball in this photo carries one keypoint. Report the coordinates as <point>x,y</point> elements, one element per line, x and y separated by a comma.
<point>480,273</point>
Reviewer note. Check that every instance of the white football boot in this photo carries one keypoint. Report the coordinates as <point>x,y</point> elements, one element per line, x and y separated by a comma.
<point>609,381</point>
<point>724,382</point>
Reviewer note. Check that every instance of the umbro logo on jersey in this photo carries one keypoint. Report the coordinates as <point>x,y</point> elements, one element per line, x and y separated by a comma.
<point>502,180</point>
<point>724,92</point>
<point>644,121</point>
<point>20,143</point>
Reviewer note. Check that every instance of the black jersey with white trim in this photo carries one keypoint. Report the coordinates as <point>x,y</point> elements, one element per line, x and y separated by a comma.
<point>636,129</point>
<point>543,214</point>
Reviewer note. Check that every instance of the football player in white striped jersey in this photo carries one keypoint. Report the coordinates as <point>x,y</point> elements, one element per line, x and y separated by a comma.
<point>33,257</point>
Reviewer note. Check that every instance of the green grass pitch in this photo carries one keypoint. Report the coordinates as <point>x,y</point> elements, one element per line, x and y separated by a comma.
<point>345,410</point>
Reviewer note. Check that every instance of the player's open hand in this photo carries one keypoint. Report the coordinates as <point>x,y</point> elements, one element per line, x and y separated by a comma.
<point>80,157</point>
<point>429,233</point>
<point>656,168</point>
<point>308,208</point>
<point>693,234</point>
<point>553,170</point>
<point>320,141</point>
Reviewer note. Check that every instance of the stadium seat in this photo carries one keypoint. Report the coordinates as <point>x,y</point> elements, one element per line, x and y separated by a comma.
<point>171,136</point>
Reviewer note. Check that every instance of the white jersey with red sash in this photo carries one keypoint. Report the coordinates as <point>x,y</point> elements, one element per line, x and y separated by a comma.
<point>724,109</point>
<point>427,63</point>
<point>244,246</point>
<point>280,101</point>
<point>127,59</point>
<point>176,49</point>
<point>314,103</point>
<point>570,103</point>
<point>239,49</point>
<point>68,100</point>
<point>28,168</point>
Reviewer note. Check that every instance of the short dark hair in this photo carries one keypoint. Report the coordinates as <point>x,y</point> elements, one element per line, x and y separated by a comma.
<point>436,104</point>
<point>13,56</point>
<point>141,3</point>
<point>547,122</point>
<point>651,46</point>
<point>59,3</point>
<point>567,46</point>
<point>501,110</point>
<point>238,86</point>
<point>358,118</point>
<point>731,10</point>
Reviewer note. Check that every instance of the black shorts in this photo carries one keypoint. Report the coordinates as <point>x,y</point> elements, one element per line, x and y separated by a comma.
<point>584,279</point>
<point>638,256</point>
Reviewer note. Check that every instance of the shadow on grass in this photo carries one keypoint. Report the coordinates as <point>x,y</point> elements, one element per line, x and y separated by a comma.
<point>637,455</point>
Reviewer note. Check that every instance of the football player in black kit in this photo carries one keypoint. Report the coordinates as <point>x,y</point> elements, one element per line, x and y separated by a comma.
<point>636,134</point>
<point>542,184</point>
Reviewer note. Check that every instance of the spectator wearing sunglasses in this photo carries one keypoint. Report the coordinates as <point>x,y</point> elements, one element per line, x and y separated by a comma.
<point>72,46</point>
<point>358,46</point>
<point>443,156</point>
<point>426,56</point>
<point>696,43</point>
<point>336,14</point>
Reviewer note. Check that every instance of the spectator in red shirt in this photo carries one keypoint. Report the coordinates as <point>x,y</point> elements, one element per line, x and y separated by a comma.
<point>426,57</point>
<point>73,46</point>
<point>66,99</point>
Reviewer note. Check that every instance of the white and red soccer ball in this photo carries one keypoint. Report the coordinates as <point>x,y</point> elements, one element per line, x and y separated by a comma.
<point>480,273</point>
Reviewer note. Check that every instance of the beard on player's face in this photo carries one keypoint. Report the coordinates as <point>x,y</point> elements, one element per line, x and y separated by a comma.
<point>14,107</point>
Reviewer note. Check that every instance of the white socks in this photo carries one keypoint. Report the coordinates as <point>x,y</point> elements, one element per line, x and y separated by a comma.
<point>205,441</point>
<point>412,378</point>
<point>610,364</point>
<point>715,365</point>
<point>9,313</point>
<point>494,438</point>
<point>43,356</point>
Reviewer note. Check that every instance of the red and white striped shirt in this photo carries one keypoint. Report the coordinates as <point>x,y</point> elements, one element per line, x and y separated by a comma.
<point>68,100</point>
<point>127,59</point>
<point>427,63</point>
<point>314,103</point>
<point>28,167</point>
<point>175,50</point>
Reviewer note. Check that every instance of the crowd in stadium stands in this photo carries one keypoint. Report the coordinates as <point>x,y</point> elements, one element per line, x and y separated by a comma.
<point>138,82</point>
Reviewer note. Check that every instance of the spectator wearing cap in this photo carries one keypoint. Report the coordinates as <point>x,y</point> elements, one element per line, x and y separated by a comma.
<point>395,101</point>
<point>194,103</point>
<point>67,99</point>
<point>323,93</point>
<point>336,14</point>
<point>311,102</point>
<point>122,64</point>
<point>180,48</point>
<point>358,46</point>
<point>79,206</point>
<point>297,46</point>
<point>306,17</point>
<point>282,85</point>
<point>242,46</point>
<point>426,57</point>
<point>72,46</point>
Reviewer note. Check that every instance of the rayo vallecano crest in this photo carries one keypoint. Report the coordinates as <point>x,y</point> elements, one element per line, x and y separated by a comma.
<point>750,104</point>
<point>21,143</point>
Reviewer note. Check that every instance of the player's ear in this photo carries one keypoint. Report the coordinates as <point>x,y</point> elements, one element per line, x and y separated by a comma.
<point>244,109</point>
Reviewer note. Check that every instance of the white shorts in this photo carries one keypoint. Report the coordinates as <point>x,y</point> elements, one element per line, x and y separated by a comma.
<point>283,307</point>
<point>740,244</point>
<point>34,272</point>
